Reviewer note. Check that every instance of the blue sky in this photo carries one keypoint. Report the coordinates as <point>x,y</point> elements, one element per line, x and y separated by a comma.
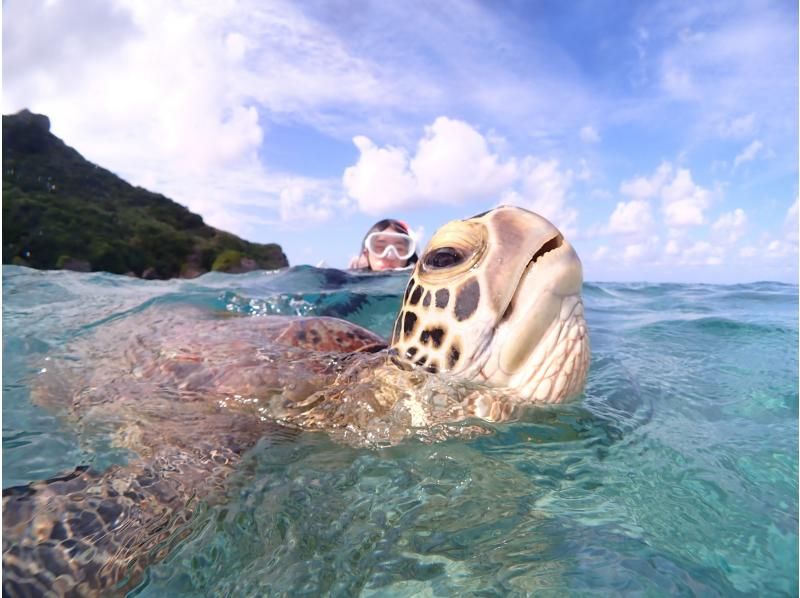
<point>661,137</point>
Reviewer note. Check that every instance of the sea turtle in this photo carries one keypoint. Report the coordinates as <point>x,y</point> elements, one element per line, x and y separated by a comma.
<point>492,318</point>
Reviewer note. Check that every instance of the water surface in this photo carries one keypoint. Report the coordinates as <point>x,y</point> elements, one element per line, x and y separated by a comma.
<point>676,473</point>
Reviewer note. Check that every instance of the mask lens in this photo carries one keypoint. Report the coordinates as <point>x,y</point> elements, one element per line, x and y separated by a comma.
<point>384,244</point>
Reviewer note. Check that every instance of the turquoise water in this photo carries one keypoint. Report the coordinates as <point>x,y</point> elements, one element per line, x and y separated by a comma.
<point>676,473</point>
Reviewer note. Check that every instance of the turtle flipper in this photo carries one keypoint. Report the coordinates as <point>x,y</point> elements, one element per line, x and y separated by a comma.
<point>89,533</point>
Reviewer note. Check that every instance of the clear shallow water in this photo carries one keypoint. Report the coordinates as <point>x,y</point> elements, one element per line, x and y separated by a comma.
<point>676,473</point>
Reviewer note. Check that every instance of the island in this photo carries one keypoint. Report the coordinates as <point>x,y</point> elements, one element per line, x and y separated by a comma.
<point>61,211</point>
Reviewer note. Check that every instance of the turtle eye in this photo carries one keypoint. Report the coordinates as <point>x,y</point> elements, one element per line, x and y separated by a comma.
<point>444,257</point>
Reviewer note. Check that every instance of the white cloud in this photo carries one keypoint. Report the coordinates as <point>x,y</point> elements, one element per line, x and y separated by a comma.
<point>631,217</point>
<point>749,153</point>
<point>729,63</point>
<point>647,187</point>
<point>380,180</point>
<point>702,253</point>
<point>634,252</point>
<point>731,226</point>
<point>453,164</point>
<point>589,134</point>
<point>778,248</point>
<point>672,248</point>
<point>683,202</point>
<point>174,96</point>
<point>543,189</point>
<point>305,202</point>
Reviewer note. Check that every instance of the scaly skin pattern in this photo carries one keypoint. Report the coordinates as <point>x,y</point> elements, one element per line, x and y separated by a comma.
<point>492,320</point>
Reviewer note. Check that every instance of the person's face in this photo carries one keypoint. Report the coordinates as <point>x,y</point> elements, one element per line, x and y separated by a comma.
<point>388,262</point>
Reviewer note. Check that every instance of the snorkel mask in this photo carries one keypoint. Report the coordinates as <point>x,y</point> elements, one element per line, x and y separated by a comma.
<point>386,243</point>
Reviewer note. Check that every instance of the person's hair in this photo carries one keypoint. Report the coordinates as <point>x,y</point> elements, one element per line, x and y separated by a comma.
<point>380,226</point>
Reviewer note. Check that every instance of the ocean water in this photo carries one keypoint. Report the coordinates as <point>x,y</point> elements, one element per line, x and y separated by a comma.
<point>674,474</point>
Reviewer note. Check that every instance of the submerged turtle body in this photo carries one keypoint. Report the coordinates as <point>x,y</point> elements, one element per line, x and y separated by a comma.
<point>491,320</point>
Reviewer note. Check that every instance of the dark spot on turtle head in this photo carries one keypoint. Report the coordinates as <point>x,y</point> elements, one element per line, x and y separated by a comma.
<point>452,356</point>
<point>409,321</point>
<point>410,352</point>
<point>467,299</point>
<point>435,335</point>
<point>442,298</point>
<point>415,296</point>
<point>421,360</point>
<point>410,286</point>
<point>301,335</point>
<point>432,367</point>
<point>350,335</point>
<point>427,301</point>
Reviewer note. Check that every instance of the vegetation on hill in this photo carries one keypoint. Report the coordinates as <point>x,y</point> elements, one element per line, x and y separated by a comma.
<point>61,211</point>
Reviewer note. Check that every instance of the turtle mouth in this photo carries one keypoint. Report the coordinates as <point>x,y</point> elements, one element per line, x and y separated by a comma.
<point>553,244</point>
<point>549,246</point>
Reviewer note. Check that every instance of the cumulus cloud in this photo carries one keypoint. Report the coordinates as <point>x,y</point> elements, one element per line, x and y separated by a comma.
<point>683,202</point>
<point>779,248</point>
<point>646,250</point>
<point>631,217</point>
<point>543,188</point>
<point>702,253</point>
<point>634,252</point>
<point>305,202</point>
<point>174,96</point>
<point>731,226</point>
<point>727,62</point>
<point>453,164</point>
<point>749,153</point>
<point>647,187</point>
<point>381,178</point>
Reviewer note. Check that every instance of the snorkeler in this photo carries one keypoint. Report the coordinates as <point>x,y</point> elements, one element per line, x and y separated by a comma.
<point>388,245</point>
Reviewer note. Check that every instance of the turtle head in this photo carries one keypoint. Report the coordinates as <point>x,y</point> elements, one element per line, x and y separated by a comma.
<point>497,298</point>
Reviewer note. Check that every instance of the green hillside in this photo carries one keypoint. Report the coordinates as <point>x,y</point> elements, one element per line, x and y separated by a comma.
<point>61,211</point>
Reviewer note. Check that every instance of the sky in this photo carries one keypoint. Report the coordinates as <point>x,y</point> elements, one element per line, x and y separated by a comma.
<point>661,137</point>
